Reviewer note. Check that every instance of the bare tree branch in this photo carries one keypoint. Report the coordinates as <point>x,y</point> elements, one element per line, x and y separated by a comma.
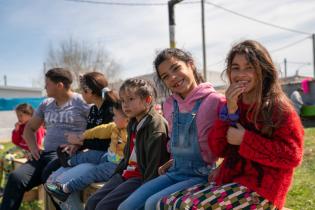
<point>80,58</point>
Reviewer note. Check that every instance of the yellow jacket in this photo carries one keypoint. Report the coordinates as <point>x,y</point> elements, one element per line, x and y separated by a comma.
<point>118,137</point>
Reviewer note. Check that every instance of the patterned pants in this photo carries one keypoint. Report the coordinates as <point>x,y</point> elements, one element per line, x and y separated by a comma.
<point>208,197</point>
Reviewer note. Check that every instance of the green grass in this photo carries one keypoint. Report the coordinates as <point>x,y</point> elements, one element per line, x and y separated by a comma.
<point>302,193</point>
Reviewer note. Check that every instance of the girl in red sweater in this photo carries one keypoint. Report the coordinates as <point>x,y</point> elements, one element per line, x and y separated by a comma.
<point>259,135</point>
<point>24,113</point>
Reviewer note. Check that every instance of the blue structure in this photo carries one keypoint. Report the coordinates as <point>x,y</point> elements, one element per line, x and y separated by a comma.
<point>7,104</point>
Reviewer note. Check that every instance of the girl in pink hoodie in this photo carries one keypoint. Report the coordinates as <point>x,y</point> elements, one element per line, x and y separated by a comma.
<point>190,111</point>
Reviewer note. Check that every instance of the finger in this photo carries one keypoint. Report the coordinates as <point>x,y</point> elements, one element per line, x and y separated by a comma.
<point>232,87</point>
<point>230,134</point>
<point>65,149</point>
<point>36,156</point>
<point>234,94</point>
<point>239,126</point>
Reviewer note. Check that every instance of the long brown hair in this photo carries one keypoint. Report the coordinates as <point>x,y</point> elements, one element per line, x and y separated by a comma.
<point>96,82</point>
<point>268,93</point>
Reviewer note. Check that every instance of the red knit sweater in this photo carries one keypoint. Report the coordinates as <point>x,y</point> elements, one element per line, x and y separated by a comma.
<point>276,156</point>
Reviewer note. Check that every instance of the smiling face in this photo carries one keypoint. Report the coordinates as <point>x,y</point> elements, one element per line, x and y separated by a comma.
<point>244,73</point>
<point>178,76</point>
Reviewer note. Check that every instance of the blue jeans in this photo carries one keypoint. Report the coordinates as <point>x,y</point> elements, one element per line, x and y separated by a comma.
<point>151,192</point>
<point>99,173</point>
<point>90,156</point>
<point>64,175</point>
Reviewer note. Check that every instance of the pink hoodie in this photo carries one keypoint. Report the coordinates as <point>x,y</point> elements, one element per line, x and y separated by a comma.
<point>207,113</point>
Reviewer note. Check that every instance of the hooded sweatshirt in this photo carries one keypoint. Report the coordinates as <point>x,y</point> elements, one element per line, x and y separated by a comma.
<point>206,115</point>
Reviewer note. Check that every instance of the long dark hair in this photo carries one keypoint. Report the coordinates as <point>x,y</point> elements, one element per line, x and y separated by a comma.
<point>268,93</point>
<point>96,82</point>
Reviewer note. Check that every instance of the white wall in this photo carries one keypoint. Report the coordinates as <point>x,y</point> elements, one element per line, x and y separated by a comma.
<point>19,92</point>
<point>7,121</point>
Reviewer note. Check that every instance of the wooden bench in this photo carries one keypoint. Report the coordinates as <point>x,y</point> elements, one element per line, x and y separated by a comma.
<point>92,188</point>
<point>39,192</point>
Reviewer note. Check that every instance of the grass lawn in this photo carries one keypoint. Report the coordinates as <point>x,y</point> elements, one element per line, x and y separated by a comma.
<point>302,193</point>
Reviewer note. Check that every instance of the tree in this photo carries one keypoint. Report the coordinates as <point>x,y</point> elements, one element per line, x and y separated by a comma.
<point>80,58</point>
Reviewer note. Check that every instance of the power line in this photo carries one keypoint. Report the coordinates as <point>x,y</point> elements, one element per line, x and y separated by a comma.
<point>290,45</point>
<point>256,20</point>
<point>111,3</point>
<point>299,63</point>
<point>271,51</point>
<point>191,2</point>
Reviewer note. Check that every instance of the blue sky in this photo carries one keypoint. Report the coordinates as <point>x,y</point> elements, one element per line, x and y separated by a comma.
<point>133,34</point>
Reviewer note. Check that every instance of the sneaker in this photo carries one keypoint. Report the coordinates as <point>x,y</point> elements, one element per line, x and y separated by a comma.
<point>63,157</point>
<point>55,190</point>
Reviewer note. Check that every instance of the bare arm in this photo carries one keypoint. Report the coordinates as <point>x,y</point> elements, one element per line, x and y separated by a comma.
<point>29,135</point>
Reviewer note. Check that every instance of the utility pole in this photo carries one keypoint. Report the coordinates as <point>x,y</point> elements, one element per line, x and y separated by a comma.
<point>313,39</point>
<point>203,39</point>
<point>171,21</point>
<point>44,68</point>
<point>285,68</point>
<point>5,80</point>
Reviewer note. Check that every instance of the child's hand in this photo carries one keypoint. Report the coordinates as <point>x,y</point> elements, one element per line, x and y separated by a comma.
<point>232,94</point>
<point>28,156</point>
<point>17,126</point>
<point>235,135</point>
<point>35,153</point>
<point>164,168</point>
<point>70,148</point>
<point>74,138</point>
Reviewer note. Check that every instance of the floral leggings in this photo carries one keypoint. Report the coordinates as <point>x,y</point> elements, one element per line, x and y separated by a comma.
<point>208,196</point>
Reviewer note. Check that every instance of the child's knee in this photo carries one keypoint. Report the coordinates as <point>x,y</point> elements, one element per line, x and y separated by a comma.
<point>151,202</point>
